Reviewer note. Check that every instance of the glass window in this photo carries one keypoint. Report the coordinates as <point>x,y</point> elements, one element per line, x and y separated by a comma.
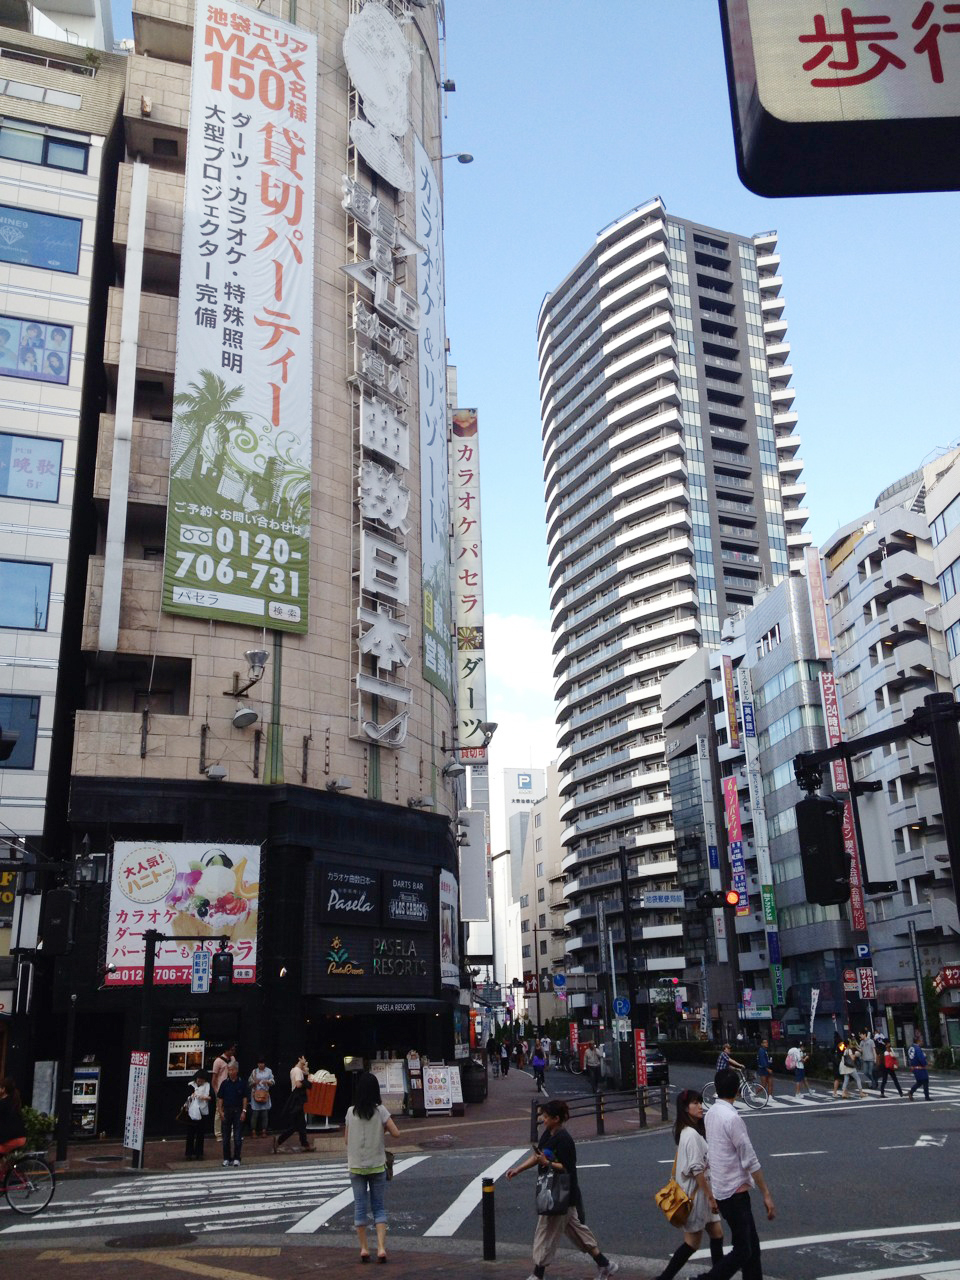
<point>21,144</point>
<point>19,716</point>
<point>30,467</point>
<point>29,238</point>
<point>34,350</point>
<point>61,154</point>
<point>24,594</point>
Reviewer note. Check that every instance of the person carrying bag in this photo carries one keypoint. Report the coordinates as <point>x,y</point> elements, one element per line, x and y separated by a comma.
<point>558,1200</point>
<point>687,1200</point>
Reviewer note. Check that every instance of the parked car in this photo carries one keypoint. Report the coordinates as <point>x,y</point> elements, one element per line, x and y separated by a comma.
<point>658,1069</point>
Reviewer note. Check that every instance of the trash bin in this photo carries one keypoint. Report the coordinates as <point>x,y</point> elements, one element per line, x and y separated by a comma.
<point>473,1080</point>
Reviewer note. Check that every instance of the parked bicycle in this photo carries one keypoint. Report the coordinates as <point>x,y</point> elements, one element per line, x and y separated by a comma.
<point>753,1094</point>
<point>567,1061</point>
<point>28,1181</point>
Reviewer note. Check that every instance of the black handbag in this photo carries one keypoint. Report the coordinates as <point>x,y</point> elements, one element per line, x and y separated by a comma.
<point>553,1192</point>
<point>388,1162</point>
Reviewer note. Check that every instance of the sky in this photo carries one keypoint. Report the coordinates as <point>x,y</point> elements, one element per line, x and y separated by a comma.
<point>577,111</point>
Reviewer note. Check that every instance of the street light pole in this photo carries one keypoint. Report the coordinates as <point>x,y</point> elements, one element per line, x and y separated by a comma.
<point>628,939</point>
<point>536,970</point>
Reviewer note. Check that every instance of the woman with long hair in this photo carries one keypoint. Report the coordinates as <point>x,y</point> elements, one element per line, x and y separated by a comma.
<point>12,1133</point>
<point>692,1175</point>
<point>367,1161</point>
<point>557,1150</point>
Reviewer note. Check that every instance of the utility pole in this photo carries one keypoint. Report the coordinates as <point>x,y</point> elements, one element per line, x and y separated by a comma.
<point>536,970</point>
<point>628,940</point>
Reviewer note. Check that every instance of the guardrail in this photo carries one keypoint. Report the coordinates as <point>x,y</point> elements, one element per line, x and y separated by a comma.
<point>598,1105</point>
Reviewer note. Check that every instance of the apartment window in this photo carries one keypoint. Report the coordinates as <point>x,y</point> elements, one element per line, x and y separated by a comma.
<point>541,894</point>
<point>24,595</point>
<point>33,350</point>
<point>949,581</point>
<point>537,819</point>
<point>525,951</point>
<point>947,520</point>
<point>21,716</point>
<point>538,845</point>
<point>539,868</point>
<point>524,926</point>
<point>37,93</point>
<point>524,901</point>
<point>29,238</point>
<point>543,948</point>
<point>29,467</point>
<point>37,146</point>
<point>541,921</point>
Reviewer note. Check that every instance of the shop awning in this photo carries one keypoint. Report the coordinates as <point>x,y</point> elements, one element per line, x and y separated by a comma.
<point>373,1005</point>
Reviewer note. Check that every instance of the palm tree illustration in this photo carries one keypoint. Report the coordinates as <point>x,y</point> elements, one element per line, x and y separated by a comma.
<point>208,402</point>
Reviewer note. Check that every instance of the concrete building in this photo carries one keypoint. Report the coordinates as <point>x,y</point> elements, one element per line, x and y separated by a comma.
<point>267,673</point>
<point>542,906</point>
<point>59,150</point>
<point>673,494</point>
<point>882,572</point>
<point>85,23</point>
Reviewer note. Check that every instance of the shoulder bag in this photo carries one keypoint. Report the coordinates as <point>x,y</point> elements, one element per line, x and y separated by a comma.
<point>388,1161</point>
<point>553,1192</point>
<point>673,1201</point>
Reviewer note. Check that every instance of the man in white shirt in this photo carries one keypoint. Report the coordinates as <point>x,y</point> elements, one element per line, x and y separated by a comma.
<point>734,1169</point>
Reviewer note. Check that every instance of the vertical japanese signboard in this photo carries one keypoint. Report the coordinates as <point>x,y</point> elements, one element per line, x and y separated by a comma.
<point>468,584</point>
<point>135,1118</point>
<point>238,519</point>
<point>818,604</point>
<point>434,470</point>
<point>738,866</point>
<point>449,930</point>
<point>832,719</point>
<point>730,701</point>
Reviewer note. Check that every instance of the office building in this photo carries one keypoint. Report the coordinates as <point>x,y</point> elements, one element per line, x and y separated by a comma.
<point>673,494</point>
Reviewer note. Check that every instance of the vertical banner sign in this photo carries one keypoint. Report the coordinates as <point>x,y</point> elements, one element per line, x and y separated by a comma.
<point>640,1049</point>
<point>238,519</point>
<point>814,1001</point>
<point>449,930</point>
<point>434,469</point>
<point>832,719</point>
<point>133,1124</point>
<point>468,585</point>
<point>818,603</point>
<point>730,701</point>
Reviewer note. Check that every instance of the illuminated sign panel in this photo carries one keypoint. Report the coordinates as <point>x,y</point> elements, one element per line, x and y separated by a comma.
<point>833,99</point>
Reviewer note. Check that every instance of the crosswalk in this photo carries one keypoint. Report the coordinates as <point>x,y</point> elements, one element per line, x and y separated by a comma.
<point>940,1092</point>
<point>306,1198</point>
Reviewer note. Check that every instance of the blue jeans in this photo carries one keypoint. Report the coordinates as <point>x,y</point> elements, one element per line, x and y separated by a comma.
<point>377,1183</point>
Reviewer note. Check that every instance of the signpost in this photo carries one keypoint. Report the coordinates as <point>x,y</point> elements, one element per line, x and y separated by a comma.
<point>134,1122</point>
<point>640,1050</point>
<point>200,972</point>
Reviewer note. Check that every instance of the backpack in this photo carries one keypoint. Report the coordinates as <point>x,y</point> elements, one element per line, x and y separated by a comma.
<point>791,1063</point>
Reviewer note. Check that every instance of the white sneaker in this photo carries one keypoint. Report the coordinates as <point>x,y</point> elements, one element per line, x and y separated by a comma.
<point>610,1269</point>
<point>236,1164</point>
<point>226,1164</point>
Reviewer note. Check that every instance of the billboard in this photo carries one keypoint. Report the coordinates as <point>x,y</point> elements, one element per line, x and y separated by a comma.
<point>818,604</point>
<point>238,519</point>
<point>468,584</point>
<point>200,889</point>
<point>434,469</point>
<point>449,930</point>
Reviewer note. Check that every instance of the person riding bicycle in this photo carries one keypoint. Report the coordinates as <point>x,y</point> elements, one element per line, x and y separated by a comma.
<point>12,1133</point>
<point>724,1060</point>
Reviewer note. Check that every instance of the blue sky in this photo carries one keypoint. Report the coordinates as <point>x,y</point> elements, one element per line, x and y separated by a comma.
<point>576,112</point>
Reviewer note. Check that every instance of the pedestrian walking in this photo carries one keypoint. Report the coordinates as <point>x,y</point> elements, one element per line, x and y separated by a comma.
<point>734,1169</point>
<point>198,1108</point>
<point>539,1064</point>
<point>519,1057</point>
<point>692,1174</point>
<point>889,1071</point>
<point>838,1051</point>
<point>233,1098</point>
<point>292,1118</point>
<point>796,1064</point>
<point>591,1064</point>
<point>556,1150</point>
<point>848,1069</point>
<point>868,1056</point>
<point>365,1124</point>
<point>504,1059</point>
<point>918,1065</point>
<point>765,1066</point>
<point>261,1082</point>
<point>218,1073</point>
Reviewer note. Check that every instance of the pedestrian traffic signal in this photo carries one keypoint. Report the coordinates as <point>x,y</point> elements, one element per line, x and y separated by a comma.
<point>823,858</point>
<point>222,969</point>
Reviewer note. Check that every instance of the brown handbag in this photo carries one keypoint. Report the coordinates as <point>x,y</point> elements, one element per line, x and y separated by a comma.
<point>673,1201</point>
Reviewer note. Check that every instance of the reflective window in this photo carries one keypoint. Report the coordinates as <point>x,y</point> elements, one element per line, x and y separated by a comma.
<point>20,716</point>
<point>24,594</point>
<point>30,467</point>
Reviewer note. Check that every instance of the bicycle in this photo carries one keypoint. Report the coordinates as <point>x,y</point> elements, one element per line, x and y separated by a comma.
<point>753,1094</point>
<point>28,1181</point>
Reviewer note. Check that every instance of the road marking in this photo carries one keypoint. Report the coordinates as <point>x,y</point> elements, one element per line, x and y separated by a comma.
<point>931,1140</point>
<point>944,1270</point>
<point>597,1166</point>
<point>776,1155</point>
<point>903,1146</point>
<point>176,1261</point>
<point>330,1208</point>
<point>873,1233</point>
<point>468,1199</point>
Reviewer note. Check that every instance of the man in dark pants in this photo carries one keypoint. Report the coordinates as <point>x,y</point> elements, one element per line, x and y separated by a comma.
<point>734,1169</point>
<point>233,1098</point>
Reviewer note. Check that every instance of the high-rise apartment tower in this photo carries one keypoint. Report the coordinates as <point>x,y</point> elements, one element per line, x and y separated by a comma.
<point>673,494</point>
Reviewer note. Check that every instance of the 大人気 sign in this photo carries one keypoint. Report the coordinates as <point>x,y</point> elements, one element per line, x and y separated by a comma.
<point>238,518</point>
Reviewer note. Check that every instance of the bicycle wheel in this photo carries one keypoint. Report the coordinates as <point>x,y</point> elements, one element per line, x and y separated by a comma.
<point>575,1068</point>
<point>753,1094</point>
<point>28,1185</point>
<point>709,1094</point>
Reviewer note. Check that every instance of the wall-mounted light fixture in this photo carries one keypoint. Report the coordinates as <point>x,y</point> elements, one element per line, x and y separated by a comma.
<point>256,661</point>
<point>244,717</point>
<point>488,728</point>
<point>453,768</point>
<point>463,156</point>
<point>421,802</point>
<point>215,772</point>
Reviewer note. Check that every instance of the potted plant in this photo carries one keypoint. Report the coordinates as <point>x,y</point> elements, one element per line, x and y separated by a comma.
<point>39,1128</point>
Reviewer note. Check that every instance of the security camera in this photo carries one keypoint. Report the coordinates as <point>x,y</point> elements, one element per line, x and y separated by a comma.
<point>216,772</point>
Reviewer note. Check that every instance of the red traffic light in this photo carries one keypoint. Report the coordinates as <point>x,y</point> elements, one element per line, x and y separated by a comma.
<point>732,898</point>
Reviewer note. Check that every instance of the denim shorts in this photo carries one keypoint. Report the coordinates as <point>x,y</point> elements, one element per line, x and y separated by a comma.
<point>376,1183</point>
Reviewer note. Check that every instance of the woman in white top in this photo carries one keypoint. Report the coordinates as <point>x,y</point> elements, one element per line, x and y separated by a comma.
<point>198,1108</point>
<point>693,1176</point>
<point>367,1161</point>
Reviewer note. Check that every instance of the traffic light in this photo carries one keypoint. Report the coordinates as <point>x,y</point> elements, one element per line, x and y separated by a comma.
<point>825,863</point>
<point>57,931</point>
<point>718,898</point>
<point>667,982</point>
<point>222,970</point>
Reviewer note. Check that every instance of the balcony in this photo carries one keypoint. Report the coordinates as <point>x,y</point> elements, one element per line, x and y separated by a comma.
<point>163,229</point>
<point>157,344</point>
<point>108,743</point>
<point>156,109</point>
<point>149,461</point>
<point>163,29</point>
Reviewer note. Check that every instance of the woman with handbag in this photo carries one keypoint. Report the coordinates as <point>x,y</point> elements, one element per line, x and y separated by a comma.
<point>365,1124</point>
<point>261,1081</point>
<point>293,1119</point>
<point>198,1108</point>
<point>691,1172</point>
<point>559,1203</point>
<point>889,1071</point>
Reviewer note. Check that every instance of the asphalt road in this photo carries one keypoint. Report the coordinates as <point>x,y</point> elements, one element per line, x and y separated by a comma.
<point>866,1189</point>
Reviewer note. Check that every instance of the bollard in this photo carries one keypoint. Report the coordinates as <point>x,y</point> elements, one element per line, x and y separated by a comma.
<point>489,1222</point>
<point>664,1112</point>
<point>600,1113</point>
<point>642,1102</point>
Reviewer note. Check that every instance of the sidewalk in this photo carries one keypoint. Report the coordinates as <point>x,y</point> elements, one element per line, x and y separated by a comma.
<point>503,1120</point>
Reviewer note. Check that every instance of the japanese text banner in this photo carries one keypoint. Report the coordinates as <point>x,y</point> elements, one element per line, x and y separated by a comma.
<point>238,521</point>
<point>468,585</point>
